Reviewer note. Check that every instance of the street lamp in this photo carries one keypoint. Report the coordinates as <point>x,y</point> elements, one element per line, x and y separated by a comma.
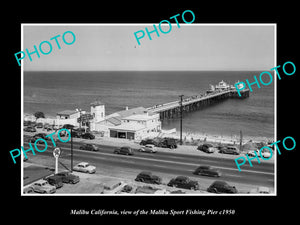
<point>181,118</point>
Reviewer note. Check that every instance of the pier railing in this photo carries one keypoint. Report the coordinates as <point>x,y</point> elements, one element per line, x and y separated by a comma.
<point>172,109</point>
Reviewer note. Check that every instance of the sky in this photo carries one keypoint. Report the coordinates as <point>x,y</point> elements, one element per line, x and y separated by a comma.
<point>113,47</point>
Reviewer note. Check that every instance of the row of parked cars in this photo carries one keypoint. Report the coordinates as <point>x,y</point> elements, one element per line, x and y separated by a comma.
<point>161,142</point>
<point>30,126</point>
<point>225,149</point>
<point>186,183</point>
<point>231,149</point>
<point>49,184</point>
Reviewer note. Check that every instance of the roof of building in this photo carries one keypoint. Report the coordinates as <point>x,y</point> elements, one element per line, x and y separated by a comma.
<point>128,127</point>
<point>137,110</point>
<point>143,117</point>
<point>96,103</point>
<point>114,120</point>
<point>129,112</point>
<point>67,112</point>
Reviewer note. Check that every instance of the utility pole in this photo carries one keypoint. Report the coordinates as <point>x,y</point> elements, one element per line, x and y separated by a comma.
<point>180,119</point>
<point>71,150</point>
<point>241,140</point>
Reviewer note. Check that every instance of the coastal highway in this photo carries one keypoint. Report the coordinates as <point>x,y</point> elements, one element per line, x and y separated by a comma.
<point>170,163</point>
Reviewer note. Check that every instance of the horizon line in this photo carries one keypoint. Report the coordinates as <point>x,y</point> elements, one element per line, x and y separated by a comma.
<point>235,70</point>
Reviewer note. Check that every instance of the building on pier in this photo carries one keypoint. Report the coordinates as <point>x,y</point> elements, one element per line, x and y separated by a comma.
<point>215,94</point>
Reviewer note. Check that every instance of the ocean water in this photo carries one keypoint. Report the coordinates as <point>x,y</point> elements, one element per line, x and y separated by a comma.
<point>51,92</point>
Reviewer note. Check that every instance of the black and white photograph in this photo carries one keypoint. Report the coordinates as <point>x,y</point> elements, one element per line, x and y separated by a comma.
<point>149,112</point>
<point>164,116</point>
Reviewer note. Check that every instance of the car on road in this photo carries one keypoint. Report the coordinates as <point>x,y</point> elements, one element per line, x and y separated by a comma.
<point>207,171</point>
<point>208,148</point>
<point>88,136</point>
<point>30,129</point>
<point>85,168</point>
<point>184,182</point>
<point>229,149</point>
<point>42,186</point>
<point>148,148</point>
<point>55,181</point>
<point>260,190</point>
<point>68,177</point>
<point>89,147</point>
<point>221,187</point>
<point>148,177</point>
<point>124,151</point>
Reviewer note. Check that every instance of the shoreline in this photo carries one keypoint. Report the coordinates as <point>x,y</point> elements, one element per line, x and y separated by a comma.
<point>215,138</point>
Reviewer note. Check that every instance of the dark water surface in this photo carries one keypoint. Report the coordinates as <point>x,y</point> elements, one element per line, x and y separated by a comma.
<point>52,92</point>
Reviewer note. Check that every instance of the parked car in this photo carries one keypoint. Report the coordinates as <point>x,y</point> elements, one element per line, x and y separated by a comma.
<point>33,139</point>
<point>207,171</point>
<point>39,125</point>
<point>229,149</point>
<point>184,182</point>
<point>76,133</point>
<point>88,136</point>
<point>124,151</point>
<point>68,177</point>
<point>84,167</point>
<point>111,186</point>
<point>27,123</point>
<point>42,186</point>
<point>265,154</point>
<point>30,129</point>
<point>41,135</point>
<point>162,191</point>
<point>168,143</point>
<point>177,192</point>
<point>148,148</point>
<point>28,190</point>
<point>148,177</point>
<point>260,190</point>
<point>67,126</point>
<point>146,190</point>
<point>126,189</point>
<point>89,147</point>
<point>149,141</point>
<point>55,181</point>
<point>208,148</point>
<point>221,187</point>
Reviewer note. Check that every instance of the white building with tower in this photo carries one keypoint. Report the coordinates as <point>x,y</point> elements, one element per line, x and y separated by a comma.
<point>98,113</point>
<point>134,123</point>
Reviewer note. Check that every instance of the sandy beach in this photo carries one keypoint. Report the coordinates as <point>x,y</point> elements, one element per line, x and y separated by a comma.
<point>189,137</point>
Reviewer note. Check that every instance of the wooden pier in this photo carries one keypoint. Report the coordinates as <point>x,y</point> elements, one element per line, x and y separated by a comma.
<point>172,109</point>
